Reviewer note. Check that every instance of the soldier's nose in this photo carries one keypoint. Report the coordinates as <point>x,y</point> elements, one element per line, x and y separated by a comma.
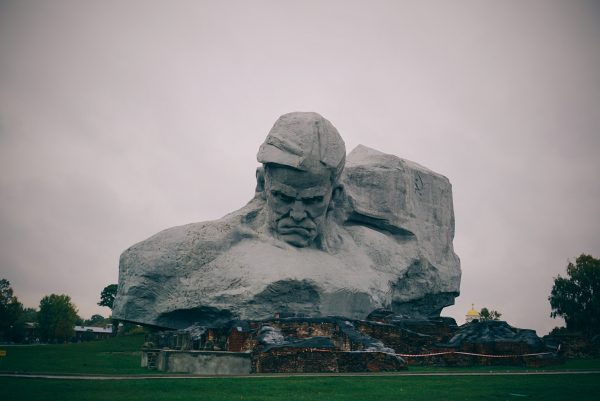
<point>298,212</point>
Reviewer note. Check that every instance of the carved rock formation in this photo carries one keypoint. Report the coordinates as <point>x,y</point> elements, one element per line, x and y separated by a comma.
<point>386,244</point>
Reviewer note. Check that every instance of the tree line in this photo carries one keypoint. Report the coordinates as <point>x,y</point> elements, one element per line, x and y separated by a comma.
<point>576,297</point>
<point>53,321</point>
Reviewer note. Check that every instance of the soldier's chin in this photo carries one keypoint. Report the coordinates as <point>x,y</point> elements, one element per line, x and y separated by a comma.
<point>295,239</point>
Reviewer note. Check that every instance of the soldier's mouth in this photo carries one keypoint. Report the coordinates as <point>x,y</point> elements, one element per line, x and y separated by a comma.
<point>290,230</point>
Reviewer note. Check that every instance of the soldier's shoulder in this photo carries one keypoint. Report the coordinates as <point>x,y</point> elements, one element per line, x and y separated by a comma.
<point>194,243</point>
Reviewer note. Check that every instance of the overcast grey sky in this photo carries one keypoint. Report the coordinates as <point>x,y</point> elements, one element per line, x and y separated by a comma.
<point>119,119</point>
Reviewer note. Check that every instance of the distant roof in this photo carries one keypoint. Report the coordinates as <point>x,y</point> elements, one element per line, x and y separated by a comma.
<point>93,329</point>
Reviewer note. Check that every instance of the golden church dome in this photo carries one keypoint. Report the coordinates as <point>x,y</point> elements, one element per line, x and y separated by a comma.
<point>472,314</point>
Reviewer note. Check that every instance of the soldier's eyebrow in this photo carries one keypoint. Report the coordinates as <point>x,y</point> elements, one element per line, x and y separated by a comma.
<point>312,193</point>
<point>284,189</point>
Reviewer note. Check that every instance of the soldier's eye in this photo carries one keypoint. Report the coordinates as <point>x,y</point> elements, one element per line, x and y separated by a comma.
<point>282,197</point>
<point>313,200</point>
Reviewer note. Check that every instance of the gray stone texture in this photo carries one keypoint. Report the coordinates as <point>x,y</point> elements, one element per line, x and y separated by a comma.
<point>204,362</point>
<point>382,240</point>
<point>495,336</point>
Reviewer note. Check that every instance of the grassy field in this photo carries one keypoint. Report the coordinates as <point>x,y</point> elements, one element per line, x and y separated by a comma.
<point>560,387</point>
<point>120,356</point>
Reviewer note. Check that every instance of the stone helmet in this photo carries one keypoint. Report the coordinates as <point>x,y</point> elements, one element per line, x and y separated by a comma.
<point>304,141</point>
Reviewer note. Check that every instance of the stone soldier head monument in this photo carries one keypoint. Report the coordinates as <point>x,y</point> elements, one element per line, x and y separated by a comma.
<point>326,234</point>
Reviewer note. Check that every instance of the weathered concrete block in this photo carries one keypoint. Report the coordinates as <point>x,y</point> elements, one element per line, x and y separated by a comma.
<point>204,362</point>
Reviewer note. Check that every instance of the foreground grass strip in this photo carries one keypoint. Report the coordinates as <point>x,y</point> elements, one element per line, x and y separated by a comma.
<point>555,387</point>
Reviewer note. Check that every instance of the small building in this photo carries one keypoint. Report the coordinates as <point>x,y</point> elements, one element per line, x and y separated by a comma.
<point>89,333</point>
<point>31,332</point>
<point>472,314</point>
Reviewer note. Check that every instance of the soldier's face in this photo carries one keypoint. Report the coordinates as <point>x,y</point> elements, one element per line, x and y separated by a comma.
<point>297,203</point>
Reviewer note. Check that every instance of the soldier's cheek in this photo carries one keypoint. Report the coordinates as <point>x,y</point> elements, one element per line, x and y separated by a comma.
<point>317,211</point>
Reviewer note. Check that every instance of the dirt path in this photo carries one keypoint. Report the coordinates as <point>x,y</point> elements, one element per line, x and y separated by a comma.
<point>283,375</point>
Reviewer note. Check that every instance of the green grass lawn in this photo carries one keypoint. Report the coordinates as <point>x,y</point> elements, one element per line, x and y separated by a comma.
<point>121,356</point>
<point>561,387</point>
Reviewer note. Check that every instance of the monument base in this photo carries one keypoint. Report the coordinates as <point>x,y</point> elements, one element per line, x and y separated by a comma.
<point>223,363</point>
<point>339,345</point>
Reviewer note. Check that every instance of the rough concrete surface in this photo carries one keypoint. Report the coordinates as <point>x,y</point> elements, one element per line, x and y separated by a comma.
<point>375,234</point>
